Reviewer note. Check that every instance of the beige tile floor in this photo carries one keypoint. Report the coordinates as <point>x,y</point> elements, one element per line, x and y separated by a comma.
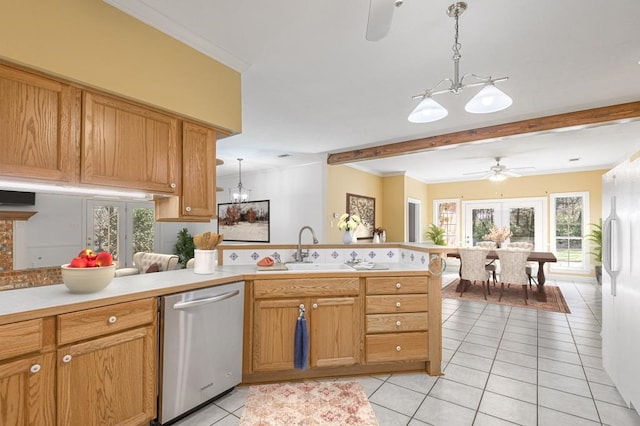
<point>502,365</point>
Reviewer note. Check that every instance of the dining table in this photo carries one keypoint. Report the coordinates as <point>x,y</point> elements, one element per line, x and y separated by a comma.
<point>541,257</point>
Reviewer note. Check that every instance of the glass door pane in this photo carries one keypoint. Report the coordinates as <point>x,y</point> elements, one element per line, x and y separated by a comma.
<point>479,218</point>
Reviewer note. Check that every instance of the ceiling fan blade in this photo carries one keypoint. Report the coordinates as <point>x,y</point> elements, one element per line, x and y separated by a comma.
<point>380,16</point>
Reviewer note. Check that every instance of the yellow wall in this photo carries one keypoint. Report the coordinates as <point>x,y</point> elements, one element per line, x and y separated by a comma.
<point>342,180</point>
<point>394,210</point>
<point>90,42</point>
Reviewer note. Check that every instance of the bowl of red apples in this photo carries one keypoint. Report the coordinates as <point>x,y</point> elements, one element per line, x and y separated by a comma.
<point>88,272</point>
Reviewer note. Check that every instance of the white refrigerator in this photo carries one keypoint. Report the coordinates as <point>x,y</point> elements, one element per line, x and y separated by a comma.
<point>621,278</point>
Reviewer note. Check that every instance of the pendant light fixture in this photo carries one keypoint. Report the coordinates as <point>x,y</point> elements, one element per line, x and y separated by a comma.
<point>489,99</point>
<point>239,194</point>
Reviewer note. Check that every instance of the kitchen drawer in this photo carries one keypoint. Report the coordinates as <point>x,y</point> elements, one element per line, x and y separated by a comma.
<point>400,303</point>
<point>303,287</point>
<point>397,285</point>
<point>397,347</point>
<point>20,338</point>
<point>95,322</point>
<point>394,323</point>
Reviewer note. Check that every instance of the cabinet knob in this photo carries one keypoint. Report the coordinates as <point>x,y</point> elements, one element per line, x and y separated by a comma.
<point>66,358</point>
<point>398,285</point>
<point>398,323</point>
<point>398,348</point>
<point>315,306</point>
<point>172,185</point>
<point>188,208</point>
<point>112,319</point>
<point>35,368</point>
<point>397,304</point>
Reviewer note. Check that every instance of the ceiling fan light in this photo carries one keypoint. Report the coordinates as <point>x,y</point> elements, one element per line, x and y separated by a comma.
<point>497,177</point>
<point>428,111</point>
<point>489,99</point>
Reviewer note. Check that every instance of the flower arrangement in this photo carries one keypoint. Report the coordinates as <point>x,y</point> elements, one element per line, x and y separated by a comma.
<point>498,234</point>
<point>349,222</point>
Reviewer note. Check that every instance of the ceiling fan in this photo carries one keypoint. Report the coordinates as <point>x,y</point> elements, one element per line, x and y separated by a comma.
<point>499,172</point>
<point>380,16</point>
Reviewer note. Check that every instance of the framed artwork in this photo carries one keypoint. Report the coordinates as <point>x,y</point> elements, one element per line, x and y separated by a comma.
<point>365,207</point>
<point>245,221</point>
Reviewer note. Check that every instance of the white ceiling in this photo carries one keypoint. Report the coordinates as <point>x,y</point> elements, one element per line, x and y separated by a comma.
<point>312,84</point>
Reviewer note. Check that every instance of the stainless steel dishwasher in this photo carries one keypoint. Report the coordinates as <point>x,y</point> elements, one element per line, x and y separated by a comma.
<point>200,347</point>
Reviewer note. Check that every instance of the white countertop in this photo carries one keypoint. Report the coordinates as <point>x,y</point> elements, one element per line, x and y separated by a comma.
<point>144,285</point>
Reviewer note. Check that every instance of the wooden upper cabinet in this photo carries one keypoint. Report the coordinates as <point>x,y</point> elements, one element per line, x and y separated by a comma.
<point>198,170</point>
<point>198,200</point>
<point>36,127</point>
<point>129,146</point>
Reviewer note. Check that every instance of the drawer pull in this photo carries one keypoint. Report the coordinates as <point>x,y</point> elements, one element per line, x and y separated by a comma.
<point>315,306</point>
<point>398,323</point>
<point>66,358</point>
<point>112,319</point>
<point>35,368</point>
<point>398,285</point>
<point>397,304</point>
<point>398,348</point>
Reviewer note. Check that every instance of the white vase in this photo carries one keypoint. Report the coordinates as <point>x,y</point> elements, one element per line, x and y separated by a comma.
<point>347,237</point>
<point>376,239</point>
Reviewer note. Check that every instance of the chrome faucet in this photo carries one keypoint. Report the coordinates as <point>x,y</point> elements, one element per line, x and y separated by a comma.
<point>299,255</point>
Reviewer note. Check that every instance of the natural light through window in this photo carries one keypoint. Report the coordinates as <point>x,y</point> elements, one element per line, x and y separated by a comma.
<point>569,217</point>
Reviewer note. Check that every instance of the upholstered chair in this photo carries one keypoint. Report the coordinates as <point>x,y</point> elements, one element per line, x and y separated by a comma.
<point>513,262</point>
<point>472,268</point>
<point>529,269</point>
<point>492,266</point>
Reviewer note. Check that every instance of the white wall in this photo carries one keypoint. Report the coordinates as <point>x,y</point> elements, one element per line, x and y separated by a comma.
<point>296,198</point>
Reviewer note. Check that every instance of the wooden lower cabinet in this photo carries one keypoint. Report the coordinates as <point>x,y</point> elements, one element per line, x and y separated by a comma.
<point>27,391</point>
<point>333,322</point>
<point>108,381</point>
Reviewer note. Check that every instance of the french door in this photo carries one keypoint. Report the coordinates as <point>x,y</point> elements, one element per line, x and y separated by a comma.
<point>525,218</point>
<point>121,228</point>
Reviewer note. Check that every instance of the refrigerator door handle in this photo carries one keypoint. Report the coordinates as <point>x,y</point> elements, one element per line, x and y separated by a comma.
<point>610,260</point>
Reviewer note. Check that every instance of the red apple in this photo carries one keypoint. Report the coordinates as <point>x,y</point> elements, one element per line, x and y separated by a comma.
<point>91,263</point>
<point>86,253</point>
<point>78,262</point>
<point>104,258</point>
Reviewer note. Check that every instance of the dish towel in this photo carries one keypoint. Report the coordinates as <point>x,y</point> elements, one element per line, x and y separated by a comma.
<point>301,344</point>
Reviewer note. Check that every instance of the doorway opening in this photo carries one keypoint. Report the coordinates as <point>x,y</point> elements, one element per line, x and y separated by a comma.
<point>414,228</point>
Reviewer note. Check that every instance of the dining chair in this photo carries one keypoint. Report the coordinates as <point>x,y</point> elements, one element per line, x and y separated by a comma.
<point>527,246</point>
<point>472,268</point>
<point>513,263</point>
<point>492,266</point>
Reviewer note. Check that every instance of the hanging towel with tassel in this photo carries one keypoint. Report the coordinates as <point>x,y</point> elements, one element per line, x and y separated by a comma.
<point>301,342</point>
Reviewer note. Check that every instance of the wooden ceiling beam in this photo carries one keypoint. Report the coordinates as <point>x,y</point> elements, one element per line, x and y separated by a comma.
<point>589,117</point>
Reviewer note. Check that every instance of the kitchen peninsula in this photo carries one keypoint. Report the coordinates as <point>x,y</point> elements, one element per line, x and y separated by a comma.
<point>360,322</point>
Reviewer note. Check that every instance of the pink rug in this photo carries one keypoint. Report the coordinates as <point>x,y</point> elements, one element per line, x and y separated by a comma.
<point>308,404</point>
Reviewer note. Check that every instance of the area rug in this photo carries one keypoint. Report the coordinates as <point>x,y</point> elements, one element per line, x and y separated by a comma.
<point>512,296</point>
<point>308,404</point>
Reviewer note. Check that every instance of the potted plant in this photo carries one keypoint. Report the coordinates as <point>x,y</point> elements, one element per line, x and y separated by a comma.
<point>184,247</point>
<point>436,235</point>
<point>595,237</point>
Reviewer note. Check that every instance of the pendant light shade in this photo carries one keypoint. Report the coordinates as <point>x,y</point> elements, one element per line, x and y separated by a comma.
<point>489,99</point>
<point>427,111</point>
<point>239,194</point>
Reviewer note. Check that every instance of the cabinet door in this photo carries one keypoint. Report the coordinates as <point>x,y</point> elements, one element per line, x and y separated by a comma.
<point>27,391</point>
<point>108,381</point>
<point>35,127</point>
<point>198,171</point>
<point>335,336</point>
<point>274,326</point>
<point>129,146</point>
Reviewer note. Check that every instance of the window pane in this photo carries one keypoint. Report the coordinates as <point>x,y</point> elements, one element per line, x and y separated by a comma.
<point>447,220</point>
<point>106,222</point>
<point>522,225</point>
<point>143,219</point>
<point>569,231</point>
<point>483,220</point>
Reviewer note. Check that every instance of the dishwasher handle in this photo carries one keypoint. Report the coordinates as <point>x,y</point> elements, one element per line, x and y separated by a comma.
<point>205,301</point>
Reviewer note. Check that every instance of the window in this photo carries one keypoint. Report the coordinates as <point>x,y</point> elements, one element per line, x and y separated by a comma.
<point>445,215</point>
<point>569,216</point>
